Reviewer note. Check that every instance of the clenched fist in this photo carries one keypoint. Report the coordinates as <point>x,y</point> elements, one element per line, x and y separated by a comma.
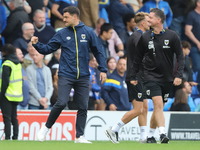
<point>34,40</point>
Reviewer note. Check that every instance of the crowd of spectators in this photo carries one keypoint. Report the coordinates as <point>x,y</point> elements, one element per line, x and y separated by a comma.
<point>113,23</point>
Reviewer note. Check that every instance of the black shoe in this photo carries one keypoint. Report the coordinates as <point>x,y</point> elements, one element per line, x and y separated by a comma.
<point>151,140</point>
<point>164,138</point>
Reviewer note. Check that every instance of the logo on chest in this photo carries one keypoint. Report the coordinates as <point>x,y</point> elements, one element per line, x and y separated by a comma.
<point>83,36</point>
<point>166,42</point>
<point>68,37</point>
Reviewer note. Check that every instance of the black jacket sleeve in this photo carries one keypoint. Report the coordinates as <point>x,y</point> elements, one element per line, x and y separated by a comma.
<point>6,71</point>
<point>179,56</point>
<point>140,51</point>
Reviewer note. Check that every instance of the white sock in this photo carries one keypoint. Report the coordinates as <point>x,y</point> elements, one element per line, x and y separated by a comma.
<point>151,132</point>
<point>116,127</point>
<point>143,135</point>
<point>161,130</point>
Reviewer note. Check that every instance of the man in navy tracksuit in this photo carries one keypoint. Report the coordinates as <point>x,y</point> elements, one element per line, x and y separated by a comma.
<point>114,90</point>
<point>75,41</point>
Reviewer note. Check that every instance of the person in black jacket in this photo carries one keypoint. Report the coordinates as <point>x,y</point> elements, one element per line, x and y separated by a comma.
<point>15,20</point>
<point>187,73</point>
<point>135,93</point>
<point>10,90</point>
<point>157,48</point>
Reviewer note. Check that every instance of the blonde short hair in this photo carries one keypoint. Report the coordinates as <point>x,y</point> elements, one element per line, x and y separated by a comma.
<point>140,16</point>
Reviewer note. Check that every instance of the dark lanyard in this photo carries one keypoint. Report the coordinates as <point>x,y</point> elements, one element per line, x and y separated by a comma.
<point>152,38</point>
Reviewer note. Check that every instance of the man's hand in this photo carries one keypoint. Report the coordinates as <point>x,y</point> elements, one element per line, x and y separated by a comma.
<point>103,77</point>
<point>43,102</point>
<point>134,82</point>
<point>120,53</point>
<point>193,83</point>
<point>177,81</point>
<point>34,40</point>
<point>112,107</point>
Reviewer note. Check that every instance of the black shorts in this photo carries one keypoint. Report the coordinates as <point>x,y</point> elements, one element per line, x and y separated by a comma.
<point>154,88</point>
<point>136,92</point>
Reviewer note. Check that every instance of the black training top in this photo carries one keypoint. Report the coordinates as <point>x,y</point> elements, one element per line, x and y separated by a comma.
<point>131,53</point>
<point>158,52</point>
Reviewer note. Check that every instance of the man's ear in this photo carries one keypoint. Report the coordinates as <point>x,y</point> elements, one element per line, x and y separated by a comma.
<point>159,19</point>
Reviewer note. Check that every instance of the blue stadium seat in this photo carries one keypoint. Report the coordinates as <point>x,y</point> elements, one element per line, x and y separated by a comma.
<point>195,76</point>
<point>195,92</point>
<point>168,104</point>
<point>197,101</point>
<point>150,104</point>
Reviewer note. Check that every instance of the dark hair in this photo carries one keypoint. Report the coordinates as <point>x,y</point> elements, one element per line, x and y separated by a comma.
<point>180,97</point>
<point>123,57</point>
<point>159,13</point>
<point>8,49</point>
<point>72,10</point>
<point>109,58</point>
<point>106,27</point>
<point>128,17</point>
<point>186,44</point>
<point>182,85</point>
<point>53,72</point>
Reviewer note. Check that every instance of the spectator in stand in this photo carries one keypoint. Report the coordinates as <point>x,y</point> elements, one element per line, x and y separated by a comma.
<point>114,90</point>
<point>111,64</point>
<point>3,19</point>
<point>25,87</point>
<point>16,19</point>
<point>164,6</point>
<point>187,88</point>
<point>180,102</point>
<point>113,41</point>
<point>40,83</point>
<point>94,87</point>
<point>42,31</point>
<point>193,33</point>
<point>22,42</point>
<point>130,25</point>
<point>89,12</point>
<point>10,94</point>
<point>105,35</point>
<point>187,73</point>
<point>116,11</point>
<point>35,4</point>
<point>57,11</point>
<point>54,72</point>
<point>102,11</point>
<point>55,59</point>
<point>28,58</point>
<point>178,22</point>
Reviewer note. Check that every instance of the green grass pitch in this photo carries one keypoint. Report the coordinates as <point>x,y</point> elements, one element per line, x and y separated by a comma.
<point>97,145</point>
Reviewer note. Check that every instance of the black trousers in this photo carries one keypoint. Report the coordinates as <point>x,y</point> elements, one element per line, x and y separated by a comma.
<point>9,111</point>
<point>81,88</point>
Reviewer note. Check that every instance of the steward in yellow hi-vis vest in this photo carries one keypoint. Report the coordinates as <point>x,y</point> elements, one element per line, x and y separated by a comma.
<point>10,89</point>
<point>14,90</point>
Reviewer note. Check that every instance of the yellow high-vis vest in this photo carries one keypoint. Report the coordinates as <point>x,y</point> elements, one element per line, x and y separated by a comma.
<point>14,90</point>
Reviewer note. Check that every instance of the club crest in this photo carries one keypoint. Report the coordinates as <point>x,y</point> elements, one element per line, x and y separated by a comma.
<point>166,42</point>
<point>83,36</point>
<point>139,95</point>
<point>148,92</point>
